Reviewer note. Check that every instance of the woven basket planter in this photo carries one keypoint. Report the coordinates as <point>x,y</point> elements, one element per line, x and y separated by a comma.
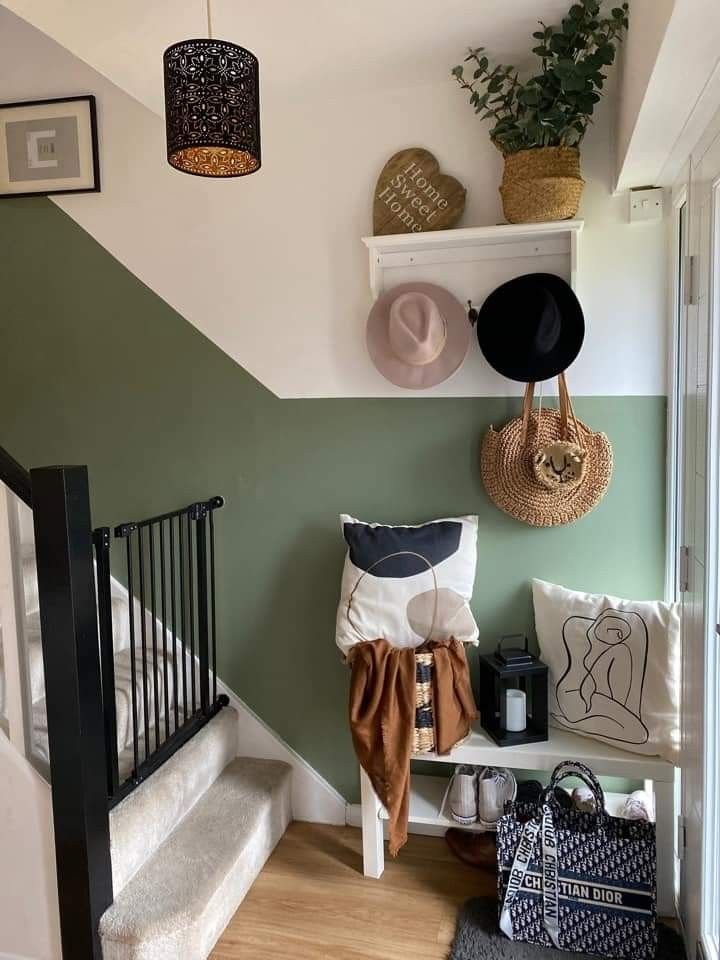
<point>541,184</point>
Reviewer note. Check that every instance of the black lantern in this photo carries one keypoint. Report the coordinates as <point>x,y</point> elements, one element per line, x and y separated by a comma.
<point>513,694</point>
<point>212,107</point>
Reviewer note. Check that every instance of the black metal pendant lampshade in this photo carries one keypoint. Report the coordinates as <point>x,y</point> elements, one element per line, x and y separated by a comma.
<point>212,108</point>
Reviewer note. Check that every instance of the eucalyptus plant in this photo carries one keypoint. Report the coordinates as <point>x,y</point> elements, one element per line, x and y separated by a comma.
<point>553,108</point>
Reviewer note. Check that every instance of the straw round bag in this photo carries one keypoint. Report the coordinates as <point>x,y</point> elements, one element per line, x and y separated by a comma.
<point>546,468</point>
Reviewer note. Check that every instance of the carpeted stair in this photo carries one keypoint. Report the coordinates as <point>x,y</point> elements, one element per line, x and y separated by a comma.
<point>187,844</point>
<point>148,816</point>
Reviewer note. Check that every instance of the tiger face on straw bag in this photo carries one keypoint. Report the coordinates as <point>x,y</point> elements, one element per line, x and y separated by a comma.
<point>546,467</point>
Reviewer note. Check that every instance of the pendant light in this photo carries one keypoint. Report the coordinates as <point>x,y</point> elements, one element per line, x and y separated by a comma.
<point>212,107</point>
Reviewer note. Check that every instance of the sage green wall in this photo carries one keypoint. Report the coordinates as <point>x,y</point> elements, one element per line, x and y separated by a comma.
<point>96,369</point>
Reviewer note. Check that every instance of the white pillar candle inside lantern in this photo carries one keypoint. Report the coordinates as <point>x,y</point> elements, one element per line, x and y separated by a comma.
<point>515,710</point>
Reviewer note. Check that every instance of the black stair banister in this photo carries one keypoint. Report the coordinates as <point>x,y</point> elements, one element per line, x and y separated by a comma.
<point>15,477</point>
<point>68,618</point>
<point>173,553</point>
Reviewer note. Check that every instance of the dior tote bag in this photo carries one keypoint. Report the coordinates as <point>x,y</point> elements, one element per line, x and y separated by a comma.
<point>582,882</point>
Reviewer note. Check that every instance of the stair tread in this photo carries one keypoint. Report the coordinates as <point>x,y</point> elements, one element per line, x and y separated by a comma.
<point>144,819</point>
<point>175,886</point>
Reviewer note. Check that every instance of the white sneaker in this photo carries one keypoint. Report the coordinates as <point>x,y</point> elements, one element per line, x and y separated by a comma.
<point>496,786</point>
<point>638,806</point>
<point>461,795</point>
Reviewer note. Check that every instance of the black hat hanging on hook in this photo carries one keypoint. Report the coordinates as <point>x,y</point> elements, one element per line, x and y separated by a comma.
<point>531,328</point>
<point>212,107</point>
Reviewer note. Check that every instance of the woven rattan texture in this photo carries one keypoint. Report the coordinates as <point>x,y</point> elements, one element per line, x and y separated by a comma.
<point>507,472</point>
<point>424,731</point>
<point>542,184</point>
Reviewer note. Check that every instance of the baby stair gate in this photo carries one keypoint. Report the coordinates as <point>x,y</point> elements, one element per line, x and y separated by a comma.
<point>131,693</point>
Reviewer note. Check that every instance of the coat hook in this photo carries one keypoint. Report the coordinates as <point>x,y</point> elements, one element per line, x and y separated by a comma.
<point>472,314</point>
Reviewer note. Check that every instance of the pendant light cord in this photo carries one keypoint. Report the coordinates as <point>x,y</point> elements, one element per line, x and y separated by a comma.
<point>209,19</point>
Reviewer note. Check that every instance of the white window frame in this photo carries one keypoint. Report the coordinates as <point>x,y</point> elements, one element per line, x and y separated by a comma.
<point>676,363</point>
<point>675,434</point>
<point>710,934</point>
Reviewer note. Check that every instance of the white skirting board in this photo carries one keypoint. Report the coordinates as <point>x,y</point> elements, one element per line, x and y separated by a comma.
<point>313,798</point>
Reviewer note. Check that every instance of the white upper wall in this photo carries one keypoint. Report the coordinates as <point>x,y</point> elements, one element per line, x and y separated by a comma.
<point>271,267</point>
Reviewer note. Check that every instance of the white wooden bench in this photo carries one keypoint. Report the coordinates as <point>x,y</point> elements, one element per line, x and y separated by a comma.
<point>479,750</point>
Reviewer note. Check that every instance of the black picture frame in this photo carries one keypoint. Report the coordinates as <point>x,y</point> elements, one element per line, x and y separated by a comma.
<point>92,110</point>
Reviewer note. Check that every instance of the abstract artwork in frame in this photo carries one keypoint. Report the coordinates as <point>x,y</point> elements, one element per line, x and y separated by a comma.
<point>49,146</point>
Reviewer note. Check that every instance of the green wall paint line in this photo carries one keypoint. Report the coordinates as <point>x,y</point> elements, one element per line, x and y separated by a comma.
<point>97,369</point>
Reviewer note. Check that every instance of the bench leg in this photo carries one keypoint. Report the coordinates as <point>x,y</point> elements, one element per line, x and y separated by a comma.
<point>372,829</point>
<point>665,827</point>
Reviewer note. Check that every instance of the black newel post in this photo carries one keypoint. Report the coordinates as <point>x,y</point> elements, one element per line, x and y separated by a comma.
<point>68,617</point>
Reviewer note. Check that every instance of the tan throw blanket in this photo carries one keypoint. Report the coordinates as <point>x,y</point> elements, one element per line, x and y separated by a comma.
<point>382,717</point>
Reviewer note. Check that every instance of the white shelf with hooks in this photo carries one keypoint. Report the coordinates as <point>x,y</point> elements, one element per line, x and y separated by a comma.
<point>472,261</point>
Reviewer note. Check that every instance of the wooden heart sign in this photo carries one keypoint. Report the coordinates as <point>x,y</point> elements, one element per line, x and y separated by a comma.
<point>412,195</point>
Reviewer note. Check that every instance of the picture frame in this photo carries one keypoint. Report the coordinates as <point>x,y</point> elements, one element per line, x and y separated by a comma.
<point>49,147</point>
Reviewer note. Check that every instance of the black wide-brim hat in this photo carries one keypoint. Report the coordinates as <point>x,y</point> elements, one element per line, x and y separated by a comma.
<point>531,328</point>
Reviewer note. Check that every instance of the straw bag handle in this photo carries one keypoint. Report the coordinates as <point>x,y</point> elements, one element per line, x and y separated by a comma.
<point>399,553</point>
<point>565,407</point>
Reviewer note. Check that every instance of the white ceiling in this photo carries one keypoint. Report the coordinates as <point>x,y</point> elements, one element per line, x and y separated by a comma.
<point>341,46</point>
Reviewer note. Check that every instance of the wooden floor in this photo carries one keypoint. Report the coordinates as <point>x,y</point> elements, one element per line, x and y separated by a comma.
<point>311,902</point>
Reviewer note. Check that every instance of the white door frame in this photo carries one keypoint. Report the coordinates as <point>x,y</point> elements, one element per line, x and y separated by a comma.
<point>702,174</point>
<point>676,365</point>
<point>711,744</point>
<point>677,255</point>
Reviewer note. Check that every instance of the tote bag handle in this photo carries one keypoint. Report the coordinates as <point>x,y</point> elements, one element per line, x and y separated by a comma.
<point>574,768</point>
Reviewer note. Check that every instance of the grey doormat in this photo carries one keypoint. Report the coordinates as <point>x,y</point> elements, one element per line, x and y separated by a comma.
<point>477,938</point>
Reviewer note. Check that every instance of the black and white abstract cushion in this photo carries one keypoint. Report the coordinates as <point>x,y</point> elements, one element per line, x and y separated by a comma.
<point>614,667</point>
<point>407,584</point>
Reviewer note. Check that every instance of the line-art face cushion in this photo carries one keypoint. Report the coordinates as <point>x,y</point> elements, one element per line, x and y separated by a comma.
<point>614,668</point>
<point>407,584</point>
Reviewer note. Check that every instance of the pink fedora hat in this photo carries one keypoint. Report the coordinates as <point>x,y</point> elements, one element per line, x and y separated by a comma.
<point>418,335</point>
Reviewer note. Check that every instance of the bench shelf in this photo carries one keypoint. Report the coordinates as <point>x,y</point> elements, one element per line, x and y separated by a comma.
<point>479,750</point>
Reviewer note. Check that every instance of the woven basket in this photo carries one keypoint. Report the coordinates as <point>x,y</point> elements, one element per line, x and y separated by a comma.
<point>424,730</point>
<point>541,184</point>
